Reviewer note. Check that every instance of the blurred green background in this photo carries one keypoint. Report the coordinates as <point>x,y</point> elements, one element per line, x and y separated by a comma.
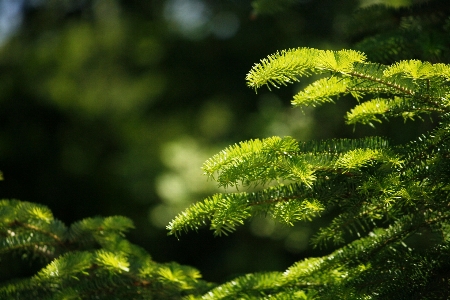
<point>110,107</point>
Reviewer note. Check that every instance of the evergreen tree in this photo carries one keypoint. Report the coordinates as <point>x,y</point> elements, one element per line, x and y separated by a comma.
<point>381,196</point>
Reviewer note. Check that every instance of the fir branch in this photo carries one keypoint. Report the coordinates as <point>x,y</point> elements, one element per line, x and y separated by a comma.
<point>410,82</point>
<point>336,146</point>
<point>282,67</point>
<point>257,162</point>
<point>358,158</point>
<point>414,69</point>
<point>286,66</point>
<point>107,267</point>
<point>321,91</point>
<point>341,61</point>
<point>255,286</point>
<point>369,111</point>
<point>366,179</point>
<point>324,162</point>
<point>225,211</point>
<point>287,204</point>
<point>369,75</point>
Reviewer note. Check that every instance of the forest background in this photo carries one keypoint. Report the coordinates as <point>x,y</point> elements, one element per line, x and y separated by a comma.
<point>111,107</point>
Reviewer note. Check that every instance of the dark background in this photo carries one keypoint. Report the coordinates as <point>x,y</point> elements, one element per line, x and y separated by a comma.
<point>110,108</point>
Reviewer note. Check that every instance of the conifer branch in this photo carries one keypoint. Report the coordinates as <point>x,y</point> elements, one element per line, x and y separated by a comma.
<point>91,259</point>
<point>383,194</point>
<point>408,82</point>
